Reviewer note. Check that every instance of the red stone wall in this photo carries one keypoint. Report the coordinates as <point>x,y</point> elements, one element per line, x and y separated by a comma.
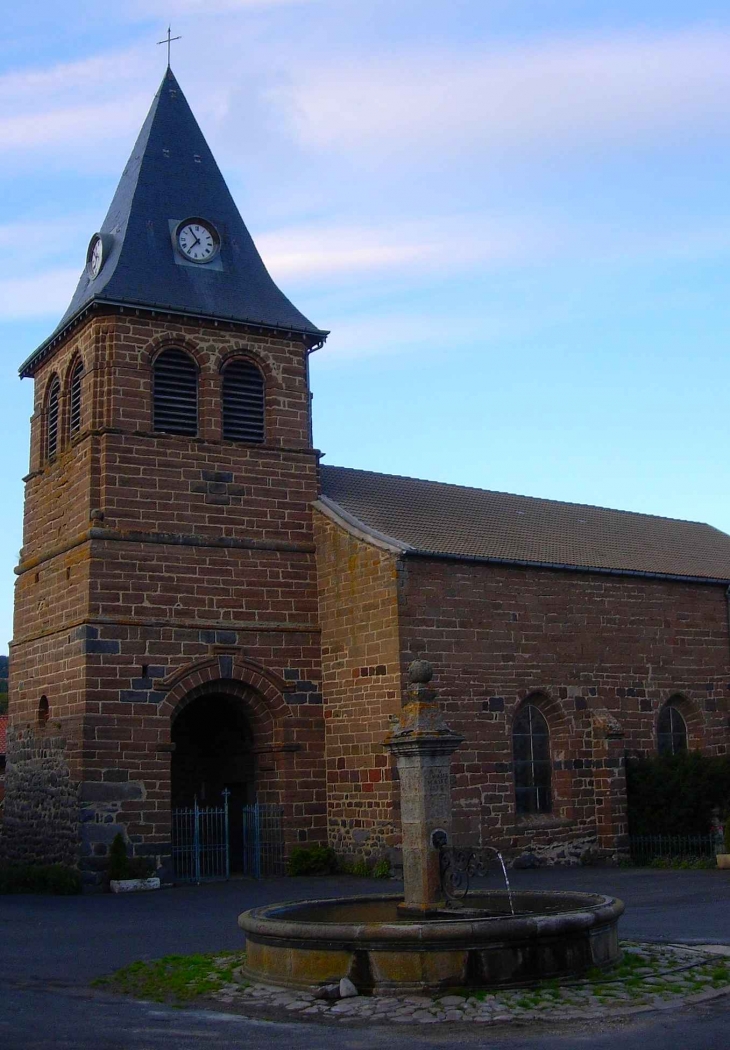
<point>599,654</point>
<point>361,684</point>
<point>146,555</point>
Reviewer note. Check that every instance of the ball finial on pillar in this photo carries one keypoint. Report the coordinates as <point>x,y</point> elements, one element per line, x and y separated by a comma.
<point>420,672</point>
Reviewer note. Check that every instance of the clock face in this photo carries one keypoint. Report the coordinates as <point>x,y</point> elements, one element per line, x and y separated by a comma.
<point>95,255</point>
<point>198,241</point>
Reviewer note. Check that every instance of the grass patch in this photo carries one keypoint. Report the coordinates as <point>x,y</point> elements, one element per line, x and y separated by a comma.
<point>175,978</point>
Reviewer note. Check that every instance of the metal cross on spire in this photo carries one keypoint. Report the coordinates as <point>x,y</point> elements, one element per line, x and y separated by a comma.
<point>168,40</point>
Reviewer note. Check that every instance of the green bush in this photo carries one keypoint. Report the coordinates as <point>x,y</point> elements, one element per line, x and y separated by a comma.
<point>381,869</point>
<point>312,860</point>
<point>726,833</point>
<point>675,794</point>
<point>118,860</point>
<point>39,878</point>
<point>123,867</point>
<point>361,869</point>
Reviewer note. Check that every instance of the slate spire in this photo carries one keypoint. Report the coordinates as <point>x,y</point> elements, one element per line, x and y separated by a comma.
<point>172,175</point>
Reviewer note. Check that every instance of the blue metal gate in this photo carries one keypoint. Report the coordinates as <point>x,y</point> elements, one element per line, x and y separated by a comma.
<point>200,847</point>
<point>263,840</point>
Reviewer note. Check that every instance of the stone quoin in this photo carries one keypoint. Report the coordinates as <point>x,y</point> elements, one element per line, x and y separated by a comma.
<point>201,605</point>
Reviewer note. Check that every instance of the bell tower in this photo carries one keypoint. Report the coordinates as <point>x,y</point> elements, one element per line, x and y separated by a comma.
<point>166,602</point>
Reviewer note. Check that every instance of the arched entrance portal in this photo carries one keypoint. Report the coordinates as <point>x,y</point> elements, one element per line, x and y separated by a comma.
<point>213,752</point>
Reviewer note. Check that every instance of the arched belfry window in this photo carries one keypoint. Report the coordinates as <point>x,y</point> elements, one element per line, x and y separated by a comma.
<point>75,406</point>
<point>243,397</point>
<point>175,393</point>
<point>532,765</point>
<point>671,730</point>
<point>52,414</point>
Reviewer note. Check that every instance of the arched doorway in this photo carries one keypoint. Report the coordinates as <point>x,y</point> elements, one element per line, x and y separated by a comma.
<point>213,752</point>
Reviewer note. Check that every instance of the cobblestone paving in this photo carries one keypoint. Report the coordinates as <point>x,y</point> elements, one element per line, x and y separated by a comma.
<point>650,976</point>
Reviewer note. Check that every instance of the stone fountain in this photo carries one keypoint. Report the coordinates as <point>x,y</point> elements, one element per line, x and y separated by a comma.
<point>418,941</point>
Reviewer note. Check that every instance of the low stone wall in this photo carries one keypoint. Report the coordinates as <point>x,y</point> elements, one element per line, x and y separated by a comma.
<point>582,850</point>
<point>41,817</point>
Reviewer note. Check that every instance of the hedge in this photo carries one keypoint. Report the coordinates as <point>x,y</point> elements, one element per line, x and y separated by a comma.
<point>676,794</point>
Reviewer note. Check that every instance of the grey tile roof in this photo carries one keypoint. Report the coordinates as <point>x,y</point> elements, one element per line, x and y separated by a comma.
<point>172,175</point>
<point>428,517</point>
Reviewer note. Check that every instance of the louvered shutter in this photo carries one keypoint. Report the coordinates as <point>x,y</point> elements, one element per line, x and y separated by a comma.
<point>175,395</point>
<point>75,423</point>
<point>243,402</point>
<point>52,420</point>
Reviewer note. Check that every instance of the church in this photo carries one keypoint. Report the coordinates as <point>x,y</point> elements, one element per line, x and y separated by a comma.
<point>203,607</point>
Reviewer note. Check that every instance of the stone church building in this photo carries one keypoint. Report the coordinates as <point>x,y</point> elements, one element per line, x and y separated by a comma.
<point>203,605</point>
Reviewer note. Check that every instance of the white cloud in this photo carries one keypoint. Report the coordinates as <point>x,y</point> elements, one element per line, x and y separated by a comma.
<point>82,82</point>
<point>411,108</point>
<point>46,294</point>
<point>49,243</point>
<point>547,94</point>
<point>440,244</point>
<point>171,8</point>
<point>72,112</point>
<point>86,126</point>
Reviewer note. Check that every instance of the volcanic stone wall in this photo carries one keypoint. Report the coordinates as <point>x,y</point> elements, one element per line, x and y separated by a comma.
<point>155,565</point>
<point>598,654</point>
<point>41,818</point>
<point>358,609</point>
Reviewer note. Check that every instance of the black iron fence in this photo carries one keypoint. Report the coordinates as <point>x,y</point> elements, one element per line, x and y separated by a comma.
<point>647,848</point>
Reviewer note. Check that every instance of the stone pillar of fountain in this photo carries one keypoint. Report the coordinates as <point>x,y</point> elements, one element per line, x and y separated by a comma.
<point>423,745</point>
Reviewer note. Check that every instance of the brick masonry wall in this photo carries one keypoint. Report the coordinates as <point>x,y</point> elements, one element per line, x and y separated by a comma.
<point>147,556</point>
<point>361,683</point>
<point>599,654</point>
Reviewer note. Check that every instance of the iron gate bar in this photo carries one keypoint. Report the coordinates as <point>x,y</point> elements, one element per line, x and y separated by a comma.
<point>263,840</point>
<point>200,842</point>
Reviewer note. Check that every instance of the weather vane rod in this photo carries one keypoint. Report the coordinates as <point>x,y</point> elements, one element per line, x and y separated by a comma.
<point>168,40</point>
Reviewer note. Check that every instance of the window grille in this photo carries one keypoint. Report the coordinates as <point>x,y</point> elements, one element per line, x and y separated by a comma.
<point>532,764</point>
<point>243,402</point>
<point>175,393</point>
<point>52,419</point>
<point>75,419</point>
<point>671,730</point>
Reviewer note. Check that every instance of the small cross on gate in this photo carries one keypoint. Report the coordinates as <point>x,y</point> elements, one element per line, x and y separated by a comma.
<point>168,40</point>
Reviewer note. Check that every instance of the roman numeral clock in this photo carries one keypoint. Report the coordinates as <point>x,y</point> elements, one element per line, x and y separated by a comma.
<point>197,240</point>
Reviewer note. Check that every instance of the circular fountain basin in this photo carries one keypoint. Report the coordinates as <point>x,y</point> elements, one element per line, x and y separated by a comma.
<point>551,935</point>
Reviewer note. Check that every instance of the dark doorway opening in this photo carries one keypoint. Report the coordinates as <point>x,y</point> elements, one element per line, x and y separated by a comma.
<point>214,752</point>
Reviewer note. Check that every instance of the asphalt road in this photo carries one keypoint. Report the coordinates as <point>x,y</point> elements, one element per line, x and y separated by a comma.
<point>53,946</point>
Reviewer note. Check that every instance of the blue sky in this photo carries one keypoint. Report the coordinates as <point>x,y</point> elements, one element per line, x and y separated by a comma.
<point>512,214</point>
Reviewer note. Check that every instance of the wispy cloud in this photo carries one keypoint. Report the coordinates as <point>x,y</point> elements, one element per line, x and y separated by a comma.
<point>104,121</point>
<point>73,111</point>
<point>412,107</point>
<point>447,244</point>
<point>546,94</point>
<point>172,8</point>
<point>45,295</point>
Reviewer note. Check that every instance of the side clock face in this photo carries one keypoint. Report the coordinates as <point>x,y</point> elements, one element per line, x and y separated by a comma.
<point>198,241</point>
<point>95,256</point>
